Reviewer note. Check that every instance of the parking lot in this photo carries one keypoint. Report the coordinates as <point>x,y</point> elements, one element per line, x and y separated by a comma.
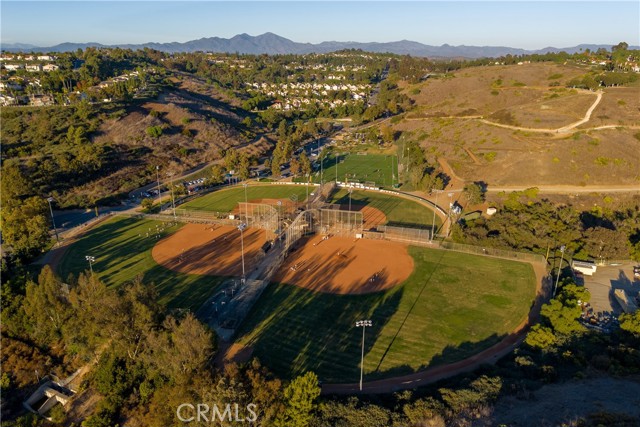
<point>605,281</point>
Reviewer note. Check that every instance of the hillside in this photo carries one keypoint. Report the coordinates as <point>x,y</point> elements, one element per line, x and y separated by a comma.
<point>519,125</point>
<point>115,150</point>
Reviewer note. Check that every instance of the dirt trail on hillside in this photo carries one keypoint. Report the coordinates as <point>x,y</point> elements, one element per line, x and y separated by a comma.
<point>562,130</point>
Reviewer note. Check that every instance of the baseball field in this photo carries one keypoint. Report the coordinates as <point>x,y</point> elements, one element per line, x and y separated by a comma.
<point>427,306</point>
<point>452,306</point>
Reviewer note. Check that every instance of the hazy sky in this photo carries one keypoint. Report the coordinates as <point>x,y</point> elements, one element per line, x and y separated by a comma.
<point>529,25</point>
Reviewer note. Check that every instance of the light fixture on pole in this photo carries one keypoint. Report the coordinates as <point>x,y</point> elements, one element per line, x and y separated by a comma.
<point>362,324</point>
<point>555,288</point>
<point>51,199</point>
<point>242,227</point>
<point>91,261</point>
<point>433,222</point>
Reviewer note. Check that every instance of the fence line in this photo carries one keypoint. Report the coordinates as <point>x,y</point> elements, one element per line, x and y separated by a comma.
<point>501,253</point>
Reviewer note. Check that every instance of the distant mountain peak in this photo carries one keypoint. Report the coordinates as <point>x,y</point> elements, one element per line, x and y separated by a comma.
<point>271,43</point>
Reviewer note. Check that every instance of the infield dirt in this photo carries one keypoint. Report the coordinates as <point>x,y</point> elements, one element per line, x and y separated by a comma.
<point>211,250</point>
<point>344,265</point>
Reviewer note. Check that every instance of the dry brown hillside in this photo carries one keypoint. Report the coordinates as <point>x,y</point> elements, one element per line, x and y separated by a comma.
<point>196,128</point>
<point>519,125</point>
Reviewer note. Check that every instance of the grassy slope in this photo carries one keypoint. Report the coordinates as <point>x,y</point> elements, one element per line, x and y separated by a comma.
<point>227,200</point>
<point>400,212</point>
<point>121,255</point>
<point>451,307</point>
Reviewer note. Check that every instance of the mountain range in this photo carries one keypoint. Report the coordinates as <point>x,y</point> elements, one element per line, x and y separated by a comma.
<point>272,44</point>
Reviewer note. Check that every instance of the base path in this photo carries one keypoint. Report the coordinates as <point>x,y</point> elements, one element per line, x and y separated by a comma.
<point>437,373</point>
<point>344,265</point>
<point>210,250</point>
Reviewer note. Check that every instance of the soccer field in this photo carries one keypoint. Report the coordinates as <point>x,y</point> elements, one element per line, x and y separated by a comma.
<point>451,307</point>
<point>226,200</point>
<point>379,169</point>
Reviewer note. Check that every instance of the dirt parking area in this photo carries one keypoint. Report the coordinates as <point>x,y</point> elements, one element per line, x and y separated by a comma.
<point>210,249</point>
<point>345,265</point>
<point>605,281</point>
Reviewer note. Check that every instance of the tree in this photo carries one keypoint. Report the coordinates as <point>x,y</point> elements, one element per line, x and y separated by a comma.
<point>294,166</point>
<point>563,318</point>
<point>300,397</point>
<point>305,164</point>
<point>25,227</point>
<point>275,167</point>
<point>387,133</point>
<point>634,244</point>
<point>631,323</point>
<point>474,193</point>
<point>154,131</point>
<point>243,167</point>
<point>147,203</point>
<point>217,174</point>
<point>46,306</point>
<point>231,159</point>
<point>540,337</point>
<point>181,348</point>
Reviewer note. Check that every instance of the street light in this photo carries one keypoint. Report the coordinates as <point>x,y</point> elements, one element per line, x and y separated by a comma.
<point>91,261</point>
<point>562,248</point>
<point>433,223</point>
<point>51,199</point>
<point>242,227</point>
<point>362,324</point>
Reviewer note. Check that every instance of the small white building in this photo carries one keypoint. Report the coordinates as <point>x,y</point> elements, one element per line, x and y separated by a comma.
<point>491,211</point>
<point>584,267</point>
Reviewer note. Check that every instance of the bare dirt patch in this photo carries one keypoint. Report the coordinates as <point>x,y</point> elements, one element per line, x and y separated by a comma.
<point>344,265</point>
<point>210,250</point>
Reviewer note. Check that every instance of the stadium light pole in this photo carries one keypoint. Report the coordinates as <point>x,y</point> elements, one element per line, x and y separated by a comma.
<point>158,179</point>
<point>53,222</point>
<point>433,222</point>
<point>246,209</point>
<point>562,248</point>
<point>173,200</point>
<point>362,324</point>
<point>242,227</point>
<point>91,261</point>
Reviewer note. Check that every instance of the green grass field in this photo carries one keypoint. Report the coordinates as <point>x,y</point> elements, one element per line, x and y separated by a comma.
<point>399,211</point>
<point>452,306</point>
<point>122,251</point>
<point>378,168</point>
<point>226,200</point>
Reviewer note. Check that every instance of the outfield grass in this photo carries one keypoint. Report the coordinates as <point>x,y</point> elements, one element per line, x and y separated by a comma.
<point>122,251</point>
<point>399,211</point>
<point>452,306</point>
<point>227,200</point>
<point>378,168</point>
